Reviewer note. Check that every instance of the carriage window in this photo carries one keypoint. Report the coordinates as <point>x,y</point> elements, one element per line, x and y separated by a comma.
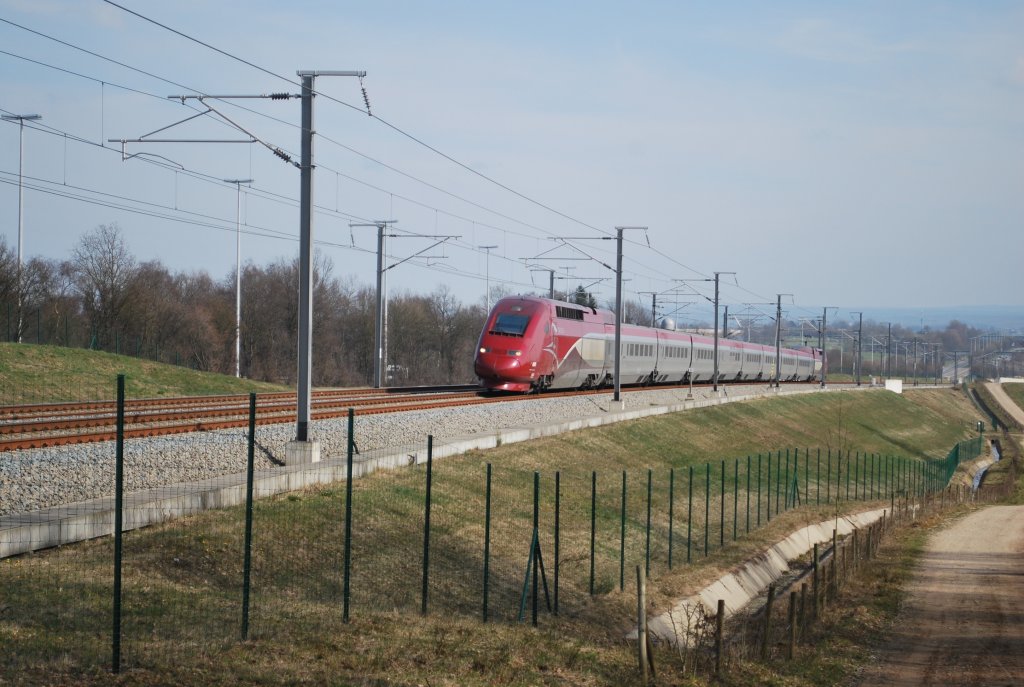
<point>510,325</point>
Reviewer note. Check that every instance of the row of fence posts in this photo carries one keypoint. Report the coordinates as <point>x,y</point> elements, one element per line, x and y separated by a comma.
<point>892,474</point>
<point>829,572</point>
<point>57,338</point>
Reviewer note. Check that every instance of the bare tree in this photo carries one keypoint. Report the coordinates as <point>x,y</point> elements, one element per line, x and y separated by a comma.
<point>453,330</point>
<point>103,268</point>
<point>8,271</point>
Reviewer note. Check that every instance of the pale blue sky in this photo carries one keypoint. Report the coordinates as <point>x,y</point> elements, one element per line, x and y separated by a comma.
<point>853,154</point>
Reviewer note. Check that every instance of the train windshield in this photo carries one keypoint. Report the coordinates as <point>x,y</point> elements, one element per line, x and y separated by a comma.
<point>510,325</point>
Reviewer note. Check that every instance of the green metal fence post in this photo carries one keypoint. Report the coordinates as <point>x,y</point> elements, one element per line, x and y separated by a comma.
<point>778,479</point>
<point>872,481</point>
<point>857,492</point>
<point>671,510</point>
<point>118,525</point>
<point>807,475</point>
<point>689,517</point>
<point>558,508</point>
<point>768,491</point>
<point>622,537</point>
<point>735,497</point>
<point>839,474</point>
<point>647,544</point>
<point>535,545</point>
<point>593,525</point>
<point>785,486</point>
<point>817,480</point>
<point>721,517</point>
<point>426,523</point>
<point>887,471</point>
<point>249,470</point>
<point>487,544</point>
<point>848,475</point>
<point>351,441</point>
<point>758,489</point>
<point>748,493</point>
<point>828,478</point>
<point>707,506</point>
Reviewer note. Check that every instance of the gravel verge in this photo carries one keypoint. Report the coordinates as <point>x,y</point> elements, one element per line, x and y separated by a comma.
<point>44,478</point>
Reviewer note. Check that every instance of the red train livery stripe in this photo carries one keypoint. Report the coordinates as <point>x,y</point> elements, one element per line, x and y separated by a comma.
<point>532,344</point>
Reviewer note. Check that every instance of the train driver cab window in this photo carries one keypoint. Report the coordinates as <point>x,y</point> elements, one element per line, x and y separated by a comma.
<point>510,325</point>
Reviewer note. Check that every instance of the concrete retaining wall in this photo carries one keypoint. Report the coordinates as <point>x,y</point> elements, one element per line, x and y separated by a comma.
<point>744,583</point>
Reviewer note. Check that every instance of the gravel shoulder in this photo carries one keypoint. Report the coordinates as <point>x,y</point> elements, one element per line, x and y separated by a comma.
<point>43,478</point>
<point>963,620</point>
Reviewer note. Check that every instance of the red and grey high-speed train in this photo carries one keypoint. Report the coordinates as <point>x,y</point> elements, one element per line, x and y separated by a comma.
<point>532,344</point>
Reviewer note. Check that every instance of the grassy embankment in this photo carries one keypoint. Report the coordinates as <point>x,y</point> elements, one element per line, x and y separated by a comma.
<point>1016,392</point>
<point>1011,447</point>
<point>51,374</point>
<point>183,579</point>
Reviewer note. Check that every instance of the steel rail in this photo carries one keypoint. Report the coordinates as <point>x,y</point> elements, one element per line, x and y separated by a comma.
<point>215,419</point>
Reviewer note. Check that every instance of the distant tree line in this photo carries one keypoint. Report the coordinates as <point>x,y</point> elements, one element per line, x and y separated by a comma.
<point>105,299</point>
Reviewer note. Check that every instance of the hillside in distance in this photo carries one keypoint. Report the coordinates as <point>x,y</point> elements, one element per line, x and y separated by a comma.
<point>1008,318</point>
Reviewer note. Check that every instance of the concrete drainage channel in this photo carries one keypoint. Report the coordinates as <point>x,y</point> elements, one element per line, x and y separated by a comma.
<point>984,464</point>
<point>739,587</point>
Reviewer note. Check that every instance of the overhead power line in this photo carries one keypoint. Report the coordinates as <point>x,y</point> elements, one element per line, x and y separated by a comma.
<point>384,122</point>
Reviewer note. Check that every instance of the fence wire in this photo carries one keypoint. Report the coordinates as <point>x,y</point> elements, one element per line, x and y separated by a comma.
<point>189,591</point>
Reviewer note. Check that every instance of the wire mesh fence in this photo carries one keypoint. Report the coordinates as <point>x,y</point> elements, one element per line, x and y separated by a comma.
<point>186,570</point>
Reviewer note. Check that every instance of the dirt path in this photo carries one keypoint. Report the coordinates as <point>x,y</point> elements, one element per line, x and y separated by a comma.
<point>1005,401</point>
<point>963,622</point>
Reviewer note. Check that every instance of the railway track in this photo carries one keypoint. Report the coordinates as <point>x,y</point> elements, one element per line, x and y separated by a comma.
<point>48,425</point>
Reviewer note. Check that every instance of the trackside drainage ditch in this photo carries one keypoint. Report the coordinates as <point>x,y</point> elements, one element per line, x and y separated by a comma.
<point>981,473</point>
<point>745,584</point>
<point>734,620</point>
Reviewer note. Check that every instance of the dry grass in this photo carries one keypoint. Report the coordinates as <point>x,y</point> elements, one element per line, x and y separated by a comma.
<point>1016,392</point>
<point>45,374</point>
<point>182,585</point>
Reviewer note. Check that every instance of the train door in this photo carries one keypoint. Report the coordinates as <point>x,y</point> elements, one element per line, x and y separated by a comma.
<point>609,354</point>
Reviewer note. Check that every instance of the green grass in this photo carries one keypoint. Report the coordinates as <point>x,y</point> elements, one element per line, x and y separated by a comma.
<point>50,374</point>
<point>996,408</point>
<point>183,579</point>
<point>1016,392</point>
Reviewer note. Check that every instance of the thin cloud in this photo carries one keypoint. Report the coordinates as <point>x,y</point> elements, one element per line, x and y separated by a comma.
<point>824,40</point>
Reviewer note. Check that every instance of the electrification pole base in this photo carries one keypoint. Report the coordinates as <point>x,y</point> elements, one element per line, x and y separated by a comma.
<point>302,452</point>
<point>616,406</point>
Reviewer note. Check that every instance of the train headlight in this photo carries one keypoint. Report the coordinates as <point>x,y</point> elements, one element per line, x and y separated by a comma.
<point>515,354</point>
<point>485,349</point>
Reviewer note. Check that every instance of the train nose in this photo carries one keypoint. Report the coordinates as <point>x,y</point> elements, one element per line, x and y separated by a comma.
<point>501,365</point>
